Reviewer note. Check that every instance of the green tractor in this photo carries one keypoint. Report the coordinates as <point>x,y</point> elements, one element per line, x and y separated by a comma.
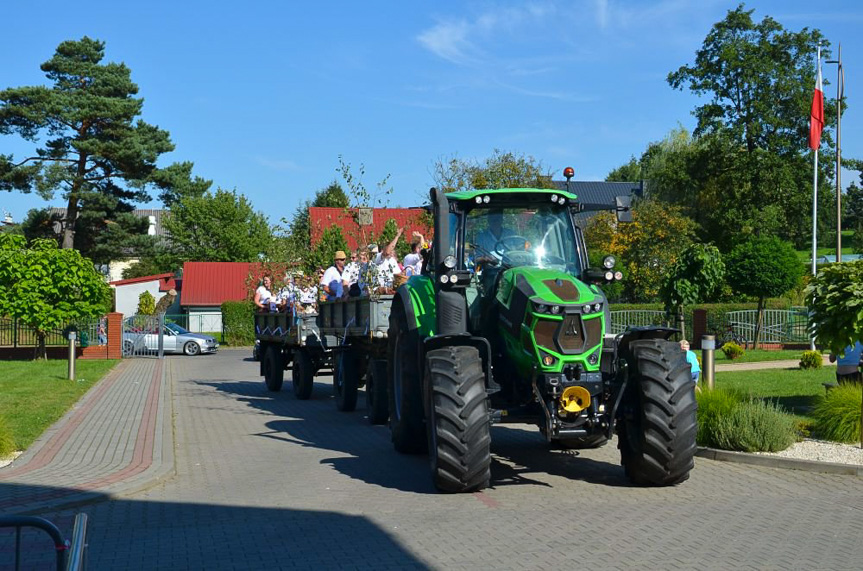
<point>507,323</point>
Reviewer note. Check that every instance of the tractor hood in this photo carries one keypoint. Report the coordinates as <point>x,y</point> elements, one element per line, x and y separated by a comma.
<point>548,317</point>
<point>546,286</point>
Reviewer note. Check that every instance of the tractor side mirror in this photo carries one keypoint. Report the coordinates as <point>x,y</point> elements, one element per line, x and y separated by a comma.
<point>623,208</point>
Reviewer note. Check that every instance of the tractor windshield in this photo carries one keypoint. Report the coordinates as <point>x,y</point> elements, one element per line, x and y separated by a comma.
<point>541,237</point>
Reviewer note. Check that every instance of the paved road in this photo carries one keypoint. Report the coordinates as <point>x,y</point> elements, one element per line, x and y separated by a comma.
<point>264,481</point>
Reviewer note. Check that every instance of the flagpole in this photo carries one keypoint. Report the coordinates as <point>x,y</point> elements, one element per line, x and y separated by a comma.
<point>815,207</point>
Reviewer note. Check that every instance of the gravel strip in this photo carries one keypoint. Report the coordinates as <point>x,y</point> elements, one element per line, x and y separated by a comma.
<point>821,451</point>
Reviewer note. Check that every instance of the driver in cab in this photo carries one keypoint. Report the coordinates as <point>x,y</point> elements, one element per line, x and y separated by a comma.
<point>488,241</point>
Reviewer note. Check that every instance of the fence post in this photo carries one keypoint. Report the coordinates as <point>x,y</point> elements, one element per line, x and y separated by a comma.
<point>115,336</point>
<point>14,332</point>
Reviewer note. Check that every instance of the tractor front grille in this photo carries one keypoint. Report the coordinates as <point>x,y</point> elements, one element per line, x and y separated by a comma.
<point>570,336</point>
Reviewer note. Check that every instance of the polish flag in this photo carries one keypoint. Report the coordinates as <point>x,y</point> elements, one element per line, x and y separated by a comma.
<point>816,116</point>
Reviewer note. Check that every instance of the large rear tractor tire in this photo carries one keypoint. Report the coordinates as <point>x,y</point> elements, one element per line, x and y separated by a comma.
<point>377,399</point>
<point>657,441</point>
<point>458,423</point>
<point>345,380</point>
<point>303,375</point>
<point>274,369</point>
<point>404,386</point>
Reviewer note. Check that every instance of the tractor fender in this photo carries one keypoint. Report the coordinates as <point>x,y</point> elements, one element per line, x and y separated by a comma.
<point>480,343</point>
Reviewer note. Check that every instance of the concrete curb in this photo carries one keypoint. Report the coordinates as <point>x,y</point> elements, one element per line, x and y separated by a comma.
<point>779,462</point>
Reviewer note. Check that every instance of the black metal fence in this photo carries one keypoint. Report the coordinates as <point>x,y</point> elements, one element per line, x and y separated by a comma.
<point>13,333</point>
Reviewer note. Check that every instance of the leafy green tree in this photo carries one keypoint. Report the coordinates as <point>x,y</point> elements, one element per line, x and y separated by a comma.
<point>500,170</point>
<point>46,288</point>
<point>323,254</point>
<point>218,227</point>
<point>293,238</point>
<point>835,301</point>
<point>645,248</point>
<point>628,172</point>
<point>757,79</point>
<point>97,154</point>
<point>696,276</point>
<point>763,266</point>
<point>146,303</point>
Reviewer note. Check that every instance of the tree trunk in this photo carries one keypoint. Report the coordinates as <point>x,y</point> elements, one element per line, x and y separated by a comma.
<point>72,204</point>
<point>758,323</point>
<point>41,352</point>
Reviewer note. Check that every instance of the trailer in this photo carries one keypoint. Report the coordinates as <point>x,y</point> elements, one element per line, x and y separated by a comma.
<point>347,337</point>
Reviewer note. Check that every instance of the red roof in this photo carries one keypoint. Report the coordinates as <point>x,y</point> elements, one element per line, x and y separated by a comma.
<point>166,281</point>
<point>211,283</point>
<point>321,218</point>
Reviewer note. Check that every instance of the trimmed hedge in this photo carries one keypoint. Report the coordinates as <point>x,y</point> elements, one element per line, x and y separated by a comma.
<point>238,323</point>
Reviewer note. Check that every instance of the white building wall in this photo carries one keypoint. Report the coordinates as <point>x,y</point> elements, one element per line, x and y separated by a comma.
<point>127,296</point>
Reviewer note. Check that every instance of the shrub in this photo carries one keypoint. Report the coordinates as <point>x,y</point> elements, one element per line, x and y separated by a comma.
<point>238,322</point>
<point>146,303</point>
<point>755,426</point>
<point>811,360</point>
<point>713,405</point>
<point>7,443</point>
<point>837,417</point>
<point>732,350</point>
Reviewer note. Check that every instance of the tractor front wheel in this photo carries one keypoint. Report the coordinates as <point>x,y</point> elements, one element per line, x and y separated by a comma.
<point>657,437</point>
<point>458,423</point>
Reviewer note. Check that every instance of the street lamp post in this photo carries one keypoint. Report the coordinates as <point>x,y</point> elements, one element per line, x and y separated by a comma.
<point>840,93</point>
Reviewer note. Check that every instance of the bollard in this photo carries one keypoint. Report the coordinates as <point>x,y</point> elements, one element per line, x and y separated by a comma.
<point>708,347</point>
<point>72,336</point>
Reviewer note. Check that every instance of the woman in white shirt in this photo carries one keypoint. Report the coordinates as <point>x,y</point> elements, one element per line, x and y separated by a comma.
<point>263,294</point>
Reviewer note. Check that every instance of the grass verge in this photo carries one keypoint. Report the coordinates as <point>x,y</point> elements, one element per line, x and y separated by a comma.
<point>760,355</point>
<point>35,394</point>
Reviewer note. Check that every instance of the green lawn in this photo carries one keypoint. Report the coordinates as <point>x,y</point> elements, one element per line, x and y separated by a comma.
<point>794,389</point>
<point>758,355</point>
<point>35,394</point>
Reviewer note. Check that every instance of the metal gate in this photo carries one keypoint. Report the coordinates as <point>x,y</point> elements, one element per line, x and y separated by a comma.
<point>144,336</point>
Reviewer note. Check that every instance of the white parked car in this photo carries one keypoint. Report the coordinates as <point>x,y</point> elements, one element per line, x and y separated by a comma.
<point>175,340</point>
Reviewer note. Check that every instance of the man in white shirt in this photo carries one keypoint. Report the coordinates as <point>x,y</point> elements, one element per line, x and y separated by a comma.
<point>331,283</point>
<point>388,265</point>
<point>351,273</point>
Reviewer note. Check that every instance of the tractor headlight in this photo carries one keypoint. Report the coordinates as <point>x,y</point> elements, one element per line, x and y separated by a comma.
<point>554,198</point>
<point>555,309</point>
<point>561,200</point>
<point>540,308</point>
<point>618,275</point>
<point>585,309</point>
<point>444,279</point>
<point>449,262</point>
<point>609,275</point>
<point>453,279</point>
<point>593,359</point>
<point>478,200</point>
<point>608,262</point>
<point>486,199</point>
<point>597,307</point>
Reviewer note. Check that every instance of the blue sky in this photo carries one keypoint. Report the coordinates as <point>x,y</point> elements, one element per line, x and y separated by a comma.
<point>264,97</point>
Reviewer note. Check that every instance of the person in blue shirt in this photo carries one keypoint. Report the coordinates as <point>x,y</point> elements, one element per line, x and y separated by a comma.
<point>848,365</point>
<point>691,359</point>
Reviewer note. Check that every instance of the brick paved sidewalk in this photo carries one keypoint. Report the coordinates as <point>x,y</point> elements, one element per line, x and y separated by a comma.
<point>116,439</point>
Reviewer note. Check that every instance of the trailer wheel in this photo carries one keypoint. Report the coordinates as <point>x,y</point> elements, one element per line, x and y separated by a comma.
<point>345,380</point>
<point>404,386</point>
<point>274,369</point>
<point>303,375</point>
<point>657,441</point>
<point>458,424</point>
<point>377,401</point>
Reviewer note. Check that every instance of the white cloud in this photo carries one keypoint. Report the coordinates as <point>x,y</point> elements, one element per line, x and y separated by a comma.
<point>449,40</point>
<point>278,164</point>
